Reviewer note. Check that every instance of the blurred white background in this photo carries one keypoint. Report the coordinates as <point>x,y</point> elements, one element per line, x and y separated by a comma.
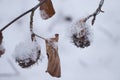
<point>100,61</point>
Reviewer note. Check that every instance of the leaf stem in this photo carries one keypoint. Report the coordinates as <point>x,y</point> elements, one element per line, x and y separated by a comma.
<point>31,21</point>
<point>40,37</point>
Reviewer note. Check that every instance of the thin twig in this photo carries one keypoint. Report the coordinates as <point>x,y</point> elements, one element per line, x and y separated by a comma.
<point>30,10</point>
<point>31,25</point>
<point>31,21</point>
<point>98,10</point>
<point>40,37</point>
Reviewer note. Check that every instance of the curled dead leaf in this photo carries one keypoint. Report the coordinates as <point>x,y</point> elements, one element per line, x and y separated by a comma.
<point>2,49</point>
<point>54,68</point>
<point>1,37</point>
<point>47,9</point>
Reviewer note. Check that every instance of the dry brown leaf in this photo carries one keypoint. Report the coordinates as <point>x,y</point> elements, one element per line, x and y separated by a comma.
<point>1,37</point>
<point>53,68</point>
<point>2,50</point>
<point>47,10</point>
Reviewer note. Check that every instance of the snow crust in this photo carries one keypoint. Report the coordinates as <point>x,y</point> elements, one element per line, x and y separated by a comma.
<point>27,49</point>
<point>78,27</point>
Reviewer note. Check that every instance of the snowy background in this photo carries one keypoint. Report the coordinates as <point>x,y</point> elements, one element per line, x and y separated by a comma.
<point>100,61</point>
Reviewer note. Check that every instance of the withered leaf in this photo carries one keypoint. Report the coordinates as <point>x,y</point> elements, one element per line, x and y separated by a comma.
<point>1,37</point>
<point>54,68</point>
<point>2,50</point>
<point>47,9</point>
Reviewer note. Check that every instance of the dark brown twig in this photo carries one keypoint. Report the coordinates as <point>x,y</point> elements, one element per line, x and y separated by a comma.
<point>31,21</point>
<point>98,10</point>
<point>31,27</point>
<point>30,10</point>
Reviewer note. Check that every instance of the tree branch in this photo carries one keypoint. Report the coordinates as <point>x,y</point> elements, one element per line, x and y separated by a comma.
<point>31,27</point>
<point>98,10</point>
<point>31,21</point>
<point>30,10</point>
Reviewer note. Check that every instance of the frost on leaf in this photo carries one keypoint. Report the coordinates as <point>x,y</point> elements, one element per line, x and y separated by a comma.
<point>2,50</point>
<point>81,34</point>
<point>27,53</point>
<point>54,68</point>
<point>46,9</point>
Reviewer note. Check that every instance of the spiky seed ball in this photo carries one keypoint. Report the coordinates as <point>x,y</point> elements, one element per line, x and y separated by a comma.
<point>27,53</point>
<point>81,34</point>
<point>80,41</point>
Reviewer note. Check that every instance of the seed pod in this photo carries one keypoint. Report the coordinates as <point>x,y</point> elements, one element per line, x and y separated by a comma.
<point>81,34</point>
<point>27,53</point>
<point>82,41</point>
<point>46,9</point>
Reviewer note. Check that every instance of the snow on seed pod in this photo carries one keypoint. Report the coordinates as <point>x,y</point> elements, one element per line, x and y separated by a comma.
<point>81,34</point>
<point>27,53</point>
